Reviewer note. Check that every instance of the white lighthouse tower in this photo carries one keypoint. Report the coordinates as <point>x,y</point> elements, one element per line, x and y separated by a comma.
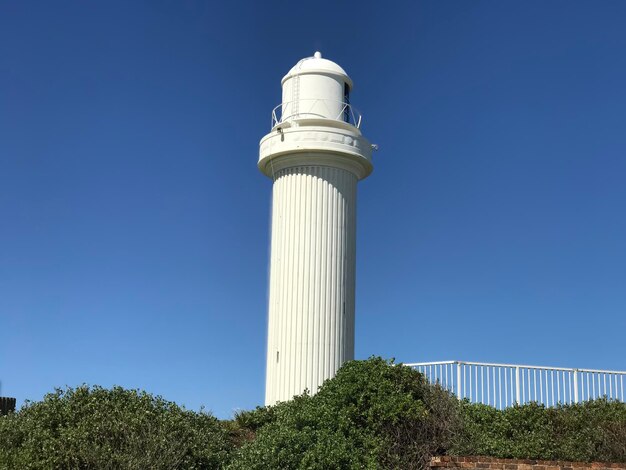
<point>315,154</point>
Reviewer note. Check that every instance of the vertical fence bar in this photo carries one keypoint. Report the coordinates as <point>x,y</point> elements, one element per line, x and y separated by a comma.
<point>464,380</point>
<point>488,388</point>
<point>476,383</point>
<point>517,387</point>
<point>592,379</point>
<point>581,385</point>
<point>552,385</point>
<point>493,373</point>
<point>575,385</point>
<point>506,388</point>
<point>500,386</point>
<point>593,385</point>
<point>482,390</point>
<point>569,383</point>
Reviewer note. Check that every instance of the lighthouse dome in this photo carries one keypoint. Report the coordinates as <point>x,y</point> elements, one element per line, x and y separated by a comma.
<point>316,88</point>
<point>317,65</point>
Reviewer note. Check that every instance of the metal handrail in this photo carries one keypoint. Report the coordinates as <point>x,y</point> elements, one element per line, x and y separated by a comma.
<point>494,364</point>
<point>347,113</point>
<point>503,385</point>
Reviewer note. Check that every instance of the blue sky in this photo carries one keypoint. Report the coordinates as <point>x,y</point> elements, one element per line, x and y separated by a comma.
<point>134,223</point>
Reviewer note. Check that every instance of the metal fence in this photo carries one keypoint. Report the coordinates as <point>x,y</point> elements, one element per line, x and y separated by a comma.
<point>316,108</point>
<point>503,385</point>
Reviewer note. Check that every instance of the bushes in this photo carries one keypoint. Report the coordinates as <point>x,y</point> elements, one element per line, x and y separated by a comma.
<point>371,415</point>
<point>593,430</point>
<point>521,432</point>
<point>375,415</point>
<point>96,428</point>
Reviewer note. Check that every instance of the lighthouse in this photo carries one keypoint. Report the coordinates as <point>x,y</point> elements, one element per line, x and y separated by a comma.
<point>315,154</point>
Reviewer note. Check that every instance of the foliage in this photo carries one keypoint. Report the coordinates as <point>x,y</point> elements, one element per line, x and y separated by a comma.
<point>371,415</point>
<point>96,428</point>
<point>593,430</point>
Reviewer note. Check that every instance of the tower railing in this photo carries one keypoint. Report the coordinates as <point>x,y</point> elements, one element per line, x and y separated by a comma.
<point>503,385</point>
<point>314,109</point>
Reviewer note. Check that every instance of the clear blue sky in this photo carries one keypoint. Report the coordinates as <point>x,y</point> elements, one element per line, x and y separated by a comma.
<point>134,223</point>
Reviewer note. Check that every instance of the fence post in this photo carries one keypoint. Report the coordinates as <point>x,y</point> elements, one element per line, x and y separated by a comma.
<point>458,380</point>
<point>575,385</point>
<point>517,385</point>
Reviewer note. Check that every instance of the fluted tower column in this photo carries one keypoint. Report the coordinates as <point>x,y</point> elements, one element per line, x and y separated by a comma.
<point>315,154</point>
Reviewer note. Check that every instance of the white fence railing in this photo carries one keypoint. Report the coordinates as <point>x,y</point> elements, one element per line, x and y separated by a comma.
<point>502,385</point>
<point>316,109</point>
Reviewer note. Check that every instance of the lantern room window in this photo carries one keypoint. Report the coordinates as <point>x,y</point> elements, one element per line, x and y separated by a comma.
<point>346,102</point>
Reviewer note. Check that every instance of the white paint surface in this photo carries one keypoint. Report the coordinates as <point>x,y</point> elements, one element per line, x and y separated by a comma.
<point>315,160</point>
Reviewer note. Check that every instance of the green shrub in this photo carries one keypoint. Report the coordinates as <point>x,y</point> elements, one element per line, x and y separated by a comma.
<point>96,428</point>
<point>593,430</point>
<point>371,415</point>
